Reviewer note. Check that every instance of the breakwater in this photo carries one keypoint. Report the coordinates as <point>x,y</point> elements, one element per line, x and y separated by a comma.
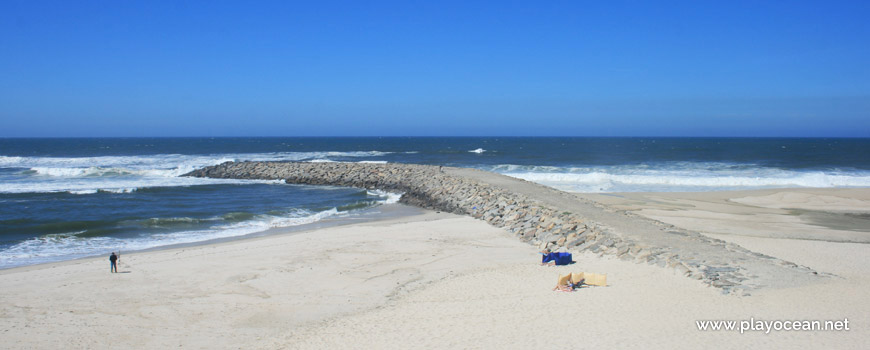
<point>541,216</point>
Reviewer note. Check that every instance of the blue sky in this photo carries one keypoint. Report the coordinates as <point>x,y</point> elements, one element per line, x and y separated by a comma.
<point>464,68</point>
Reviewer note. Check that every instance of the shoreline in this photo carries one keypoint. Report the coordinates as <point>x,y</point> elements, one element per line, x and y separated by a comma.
<point>376,213</point>
<point>451,280</point>
<point>408,213</point>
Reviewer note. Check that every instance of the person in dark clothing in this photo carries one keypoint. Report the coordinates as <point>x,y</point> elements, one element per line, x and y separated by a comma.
<point>114,260</point>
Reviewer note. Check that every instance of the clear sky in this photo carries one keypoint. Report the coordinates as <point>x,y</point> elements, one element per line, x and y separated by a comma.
<point>430,68</point>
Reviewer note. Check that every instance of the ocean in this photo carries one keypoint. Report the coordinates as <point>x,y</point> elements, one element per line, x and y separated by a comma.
<point>63,199</point>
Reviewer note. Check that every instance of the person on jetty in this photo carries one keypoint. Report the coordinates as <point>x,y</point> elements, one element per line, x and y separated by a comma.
<point>113,259</point>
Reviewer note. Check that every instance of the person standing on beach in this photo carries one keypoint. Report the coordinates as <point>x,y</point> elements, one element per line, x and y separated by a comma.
<point>114,260</point>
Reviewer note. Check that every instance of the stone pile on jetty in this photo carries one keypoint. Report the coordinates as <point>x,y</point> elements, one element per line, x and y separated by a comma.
<point>527,218</point>
<point>428,187</point>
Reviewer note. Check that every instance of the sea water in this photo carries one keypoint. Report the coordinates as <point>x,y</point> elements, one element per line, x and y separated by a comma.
<point>67,198</point>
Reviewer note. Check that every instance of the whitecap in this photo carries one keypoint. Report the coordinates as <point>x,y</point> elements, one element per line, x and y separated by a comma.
<point>680,176</point>
<point>116,185</point>
<point>120,174</point>
<point>387,197</point>
<point>82,191</point>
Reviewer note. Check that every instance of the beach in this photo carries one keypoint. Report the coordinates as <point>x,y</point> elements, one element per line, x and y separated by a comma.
<point>401,175</point>
<point>439,280</point>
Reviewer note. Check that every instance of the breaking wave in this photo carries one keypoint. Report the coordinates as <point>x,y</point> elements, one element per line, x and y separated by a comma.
<point>122,174</point>
<point>681,176</point>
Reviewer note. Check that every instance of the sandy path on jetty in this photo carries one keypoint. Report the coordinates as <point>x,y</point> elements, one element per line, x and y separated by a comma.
<point>837,214</point>
<point>824,229</point>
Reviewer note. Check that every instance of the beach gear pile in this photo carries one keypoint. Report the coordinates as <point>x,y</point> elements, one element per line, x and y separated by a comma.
<point>569,282</point>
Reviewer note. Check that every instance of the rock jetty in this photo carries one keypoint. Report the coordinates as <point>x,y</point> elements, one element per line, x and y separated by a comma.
<point>541,216</point>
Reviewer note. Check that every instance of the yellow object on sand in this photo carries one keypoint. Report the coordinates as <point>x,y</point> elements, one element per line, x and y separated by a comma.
<point>595,279</point>
<point>592,279</point>
<point>576,278</point>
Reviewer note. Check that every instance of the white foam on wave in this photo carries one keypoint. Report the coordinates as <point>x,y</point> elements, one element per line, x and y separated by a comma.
<point>87,175</point>
<point>388,197</point>
<point>111,171</point>
<point>66,246</point>
<point>681,177</point>
<point>80,172</point>
<point>171,161</point>
<point>165,164</point>
<point>119,190</point>
<point>478,151</point>
<point>82,191</point>
<point>277,222</point>
<point>9,160</point>
<point>119,185</point>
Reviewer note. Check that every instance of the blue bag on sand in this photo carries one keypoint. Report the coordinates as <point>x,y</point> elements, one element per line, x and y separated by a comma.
<point>563,258</point>
<point>559,258</point>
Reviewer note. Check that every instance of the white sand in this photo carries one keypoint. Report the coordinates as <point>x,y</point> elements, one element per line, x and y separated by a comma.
<point>240,294</point>
<point>644,307</point>
<point>430,281</point>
